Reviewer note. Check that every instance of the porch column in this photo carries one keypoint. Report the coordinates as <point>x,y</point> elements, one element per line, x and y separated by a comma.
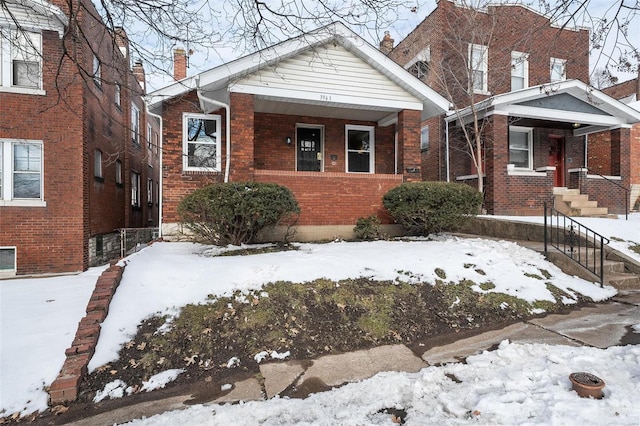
<point>496,160</point>
<point>409,159</point>
<point>621,155</point>
<point>242,131</point>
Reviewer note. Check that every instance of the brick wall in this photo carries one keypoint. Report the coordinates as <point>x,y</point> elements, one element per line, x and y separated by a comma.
<point>334,198</point>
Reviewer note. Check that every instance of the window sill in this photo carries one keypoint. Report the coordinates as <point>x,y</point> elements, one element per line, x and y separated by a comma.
<point>525,172</point>
<point>470,177</point>
<point>23,203</point>
<point>98,179</point>
<point>119,185</point>
<point>23,90</point>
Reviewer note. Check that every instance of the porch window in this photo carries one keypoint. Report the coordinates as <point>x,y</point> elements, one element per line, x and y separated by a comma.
<point>424,138</point>
<point>478,67</point>
<point>360,148</point>
<point>521,147</point>
<point>558,70</point>
<point>519,71</point>
<point>201,142</point>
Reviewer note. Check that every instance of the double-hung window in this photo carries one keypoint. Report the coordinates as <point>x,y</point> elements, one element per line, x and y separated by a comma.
<point>478,67</point>
<point>118,172</point>
<point>20,172</point>
<point>97,164</point>
<point>135,189</point>
<point>521,147</point>
<point>558,70</point>
<point>149,137</point>
<point>117,95</point>
<point>135,124</point>
<point>201,142</point>
<point>360,148</point>
<point>97,72</point>
<point>519,71</point>
<point>20,59</point>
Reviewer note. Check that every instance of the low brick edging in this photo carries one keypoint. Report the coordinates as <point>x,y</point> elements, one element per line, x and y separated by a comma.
<point>66,386</point>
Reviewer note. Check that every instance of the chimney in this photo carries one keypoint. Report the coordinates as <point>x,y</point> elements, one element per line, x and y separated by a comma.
<point>179,64</point>
<point>138,72</point>
<point>386,45</point>
<point>122,41</point>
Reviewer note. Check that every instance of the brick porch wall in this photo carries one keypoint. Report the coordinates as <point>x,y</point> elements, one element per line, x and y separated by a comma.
<point>334,198</point>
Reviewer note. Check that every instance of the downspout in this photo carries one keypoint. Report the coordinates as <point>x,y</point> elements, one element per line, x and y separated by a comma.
<point>446,139</point>
<point>159,117</point>
<point>227,109</point>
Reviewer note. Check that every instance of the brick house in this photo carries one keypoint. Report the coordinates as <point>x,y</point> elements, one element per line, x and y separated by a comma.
<point>325,114</point>
<point>518,76</point>
<point>74,161</point>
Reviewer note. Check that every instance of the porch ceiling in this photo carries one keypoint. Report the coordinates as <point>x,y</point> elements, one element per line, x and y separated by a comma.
<point>322,109</point>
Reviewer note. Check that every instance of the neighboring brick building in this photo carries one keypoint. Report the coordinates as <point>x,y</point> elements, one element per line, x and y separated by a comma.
<point>327,115</point>
<point>73,164</point>
<point>516,75</point>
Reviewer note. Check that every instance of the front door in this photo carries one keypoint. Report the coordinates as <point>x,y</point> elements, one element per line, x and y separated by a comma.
<point>309,149</point>
<point>556,159</point>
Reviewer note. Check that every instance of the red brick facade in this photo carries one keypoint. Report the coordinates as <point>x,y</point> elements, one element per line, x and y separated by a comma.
<point>73,117</point>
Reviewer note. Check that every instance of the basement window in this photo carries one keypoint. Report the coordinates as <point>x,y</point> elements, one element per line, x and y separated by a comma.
<point>7,261</point>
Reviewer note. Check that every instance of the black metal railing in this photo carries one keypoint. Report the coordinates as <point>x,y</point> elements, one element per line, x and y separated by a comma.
<point>583,245</point>
<point>626,191</point>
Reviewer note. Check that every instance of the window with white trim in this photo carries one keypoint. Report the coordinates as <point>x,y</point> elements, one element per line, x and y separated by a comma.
<point>360,143</point>
<point>97,163</point>
<point>424,138</point>
<point>149,137</point>
<point>97,71</point>
<point>20,59</point>
<point>150,185</point>
<point>20,170</point>
<point>558,69</point>
<point>118,172</point>
<point>135,189</point>
<point>519,71</point>
<point>117,96</point>
<point>135,124</point>
<point>478,67</point>
<point>201,142</point>
<point>7,261</point>
<point>521,147</point>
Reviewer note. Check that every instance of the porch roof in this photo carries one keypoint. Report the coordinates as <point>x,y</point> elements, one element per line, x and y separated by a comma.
<point>362,61</point>
<point>571,103</point>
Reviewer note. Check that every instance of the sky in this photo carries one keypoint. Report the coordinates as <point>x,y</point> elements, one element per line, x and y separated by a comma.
<point>406,19</point>
<point>38,317</point>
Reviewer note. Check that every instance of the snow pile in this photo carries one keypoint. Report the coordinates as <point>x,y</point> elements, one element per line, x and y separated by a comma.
<point>516,384</point>
<point>160,380</point>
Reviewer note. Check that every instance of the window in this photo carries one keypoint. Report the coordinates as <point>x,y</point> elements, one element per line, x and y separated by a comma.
<point>201,142</point>
<point>519,71</point>
<point>117,96</point>
<point>424,138</point>
<point>20,170</point>
<point>419,64</point>
<point>97,163</point>
<point>135,124</point>
<point>149,137</point>
<point>20,59</point>
<point>521,147</point>
<point>360,144</point>
<point>558,69</point>
<point>157,193</point>
<point>478,65</point>
<point>7,260</point>
<point>118,172</point>
<point>156,142</point>
<point>97,79</point>
<point>135,189</point>
<point>150,191</point>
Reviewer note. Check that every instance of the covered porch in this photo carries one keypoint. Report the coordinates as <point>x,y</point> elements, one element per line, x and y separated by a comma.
<point>537,141</point>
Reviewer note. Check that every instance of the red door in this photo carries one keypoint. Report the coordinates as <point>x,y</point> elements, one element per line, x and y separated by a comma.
<point>556,159</point>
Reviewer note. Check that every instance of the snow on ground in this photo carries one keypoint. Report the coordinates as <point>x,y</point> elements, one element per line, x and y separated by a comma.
<point>167,276</point>
<point>38,321</point>
<point>615,230</point>
<point>523,384</point>
<point>38,317</point>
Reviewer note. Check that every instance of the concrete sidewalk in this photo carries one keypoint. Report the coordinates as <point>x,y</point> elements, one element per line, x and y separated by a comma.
<point>601,325</point>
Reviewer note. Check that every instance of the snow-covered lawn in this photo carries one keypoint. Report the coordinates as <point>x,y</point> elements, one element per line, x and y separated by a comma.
<point>38,317</point>
<point>518,384</point>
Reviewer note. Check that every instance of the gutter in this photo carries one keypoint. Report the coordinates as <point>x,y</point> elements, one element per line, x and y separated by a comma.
<point>203,98</point>
<point>160,151</point>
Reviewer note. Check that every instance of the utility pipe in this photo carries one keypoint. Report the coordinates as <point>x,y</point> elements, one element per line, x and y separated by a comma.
<point>160,143</point>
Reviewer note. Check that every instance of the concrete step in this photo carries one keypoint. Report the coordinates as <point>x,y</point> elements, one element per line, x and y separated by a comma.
<point>623,281</point>
<point>591,211</point>
<point>564,190</point>
<point>611,267</point>
<point>583,204</point>
<point>567,198</point>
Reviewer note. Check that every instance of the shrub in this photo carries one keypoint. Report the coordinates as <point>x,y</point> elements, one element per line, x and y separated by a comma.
<point>234,213</point>
<point>367,228</point>
<point>426,207</point>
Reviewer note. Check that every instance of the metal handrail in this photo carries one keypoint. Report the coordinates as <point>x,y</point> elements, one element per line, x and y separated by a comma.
<point>576,241</point>
<point>626,191</point>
